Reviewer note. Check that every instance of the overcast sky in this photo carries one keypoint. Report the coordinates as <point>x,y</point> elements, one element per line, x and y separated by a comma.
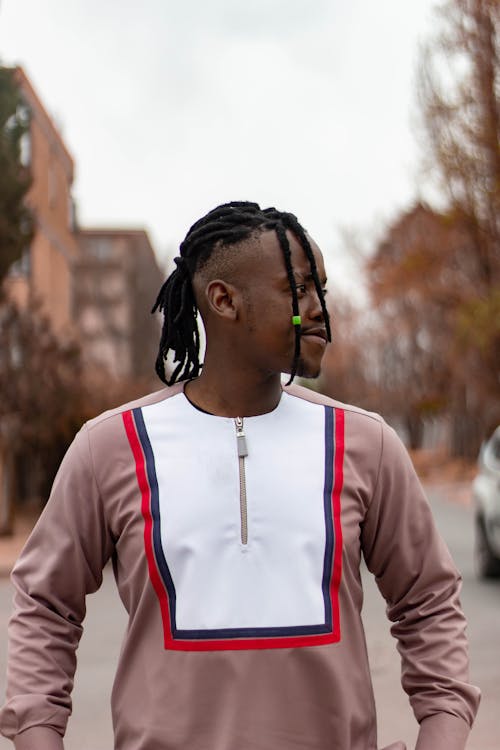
<point>170,107</point>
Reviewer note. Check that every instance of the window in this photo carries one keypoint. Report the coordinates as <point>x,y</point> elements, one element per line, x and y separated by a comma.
<point>25,149</point>
<point>101,248</point>
<point>22,266</point>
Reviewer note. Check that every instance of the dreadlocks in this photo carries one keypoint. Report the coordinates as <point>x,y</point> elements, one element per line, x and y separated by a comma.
<point>228,224</point>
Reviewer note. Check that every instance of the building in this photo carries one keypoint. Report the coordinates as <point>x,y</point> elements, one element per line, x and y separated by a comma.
<point>117,279</point>
<point>94,287</point>
<point>45,273</point>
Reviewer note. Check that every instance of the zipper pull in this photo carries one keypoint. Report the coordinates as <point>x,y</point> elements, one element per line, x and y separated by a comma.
<point>241,441</point>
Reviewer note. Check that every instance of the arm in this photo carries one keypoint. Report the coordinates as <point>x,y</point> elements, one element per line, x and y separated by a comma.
<point>421,585</point>
<point>61,562</point>
<point>39,738</point>
<point>442,730</point>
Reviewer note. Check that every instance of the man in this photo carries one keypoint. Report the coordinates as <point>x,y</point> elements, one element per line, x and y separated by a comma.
<point>236,512</point>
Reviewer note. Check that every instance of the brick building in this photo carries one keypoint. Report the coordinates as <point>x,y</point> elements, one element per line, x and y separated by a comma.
<point>45,271</point>
<point>95,287</point>
<point>118,280</point>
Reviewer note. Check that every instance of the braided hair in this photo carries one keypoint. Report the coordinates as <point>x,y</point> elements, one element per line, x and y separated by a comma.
<point>228,224</point>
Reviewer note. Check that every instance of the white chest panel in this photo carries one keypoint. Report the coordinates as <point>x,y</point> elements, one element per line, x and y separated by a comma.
<point>215,582</point>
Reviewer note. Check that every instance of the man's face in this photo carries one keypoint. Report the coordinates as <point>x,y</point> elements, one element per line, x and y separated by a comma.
<point>267,309</point>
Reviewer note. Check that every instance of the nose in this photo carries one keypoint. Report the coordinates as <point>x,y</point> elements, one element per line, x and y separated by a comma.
<point>315,309</point>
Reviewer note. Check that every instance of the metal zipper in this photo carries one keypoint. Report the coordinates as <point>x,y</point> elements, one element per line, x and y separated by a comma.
<point>241,444</point>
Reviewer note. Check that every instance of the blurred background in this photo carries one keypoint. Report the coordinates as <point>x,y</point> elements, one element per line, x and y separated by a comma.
<point>377,124</point>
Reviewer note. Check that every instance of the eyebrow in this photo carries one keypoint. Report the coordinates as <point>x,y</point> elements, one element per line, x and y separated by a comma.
<point>306,277</point>
<point>322,281</point>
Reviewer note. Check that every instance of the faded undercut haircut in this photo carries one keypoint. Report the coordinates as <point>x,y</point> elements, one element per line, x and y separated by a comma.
<point>226,226</point>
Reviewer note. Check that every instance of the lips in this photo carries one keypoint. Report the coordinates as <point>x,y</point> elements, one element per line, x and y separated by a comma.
<point>315,334</point>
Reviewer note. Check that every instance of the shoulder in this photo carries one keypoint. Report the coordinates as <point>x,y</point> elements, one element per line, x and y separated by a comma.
<point>368,438</point>
<point>109,426</point>
<point>150,398</point>
<point>353,413</point>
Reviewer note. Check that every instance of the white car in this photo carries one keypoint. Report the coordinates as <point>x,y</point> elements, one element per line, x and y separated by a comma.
<point>486,492</point>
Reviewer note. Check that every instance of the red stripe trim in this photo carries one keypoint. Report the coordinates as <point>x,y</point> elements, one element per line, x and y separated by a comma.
<point>337,526</point>
<point>234,644</point>
<point>142,480</point>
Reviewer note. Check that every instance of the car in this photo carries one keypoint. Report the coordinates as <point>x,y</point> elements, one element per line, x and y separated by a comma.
<point>486,494</point>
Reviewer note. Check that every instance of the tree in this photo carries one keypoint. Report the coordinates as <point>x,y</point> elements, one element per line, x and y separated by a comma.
<point>416,280</point>
<point>421,280</point>
<point>41,394</point>
<point>430,345</point>
<point>45,397</point>
<point>16,221</point>
<point>347,368</point>
<point>459,100</point>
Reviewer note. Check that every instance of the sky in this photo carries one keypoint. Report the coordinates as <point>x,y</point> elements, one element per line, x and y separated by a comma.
<point>170,107</point>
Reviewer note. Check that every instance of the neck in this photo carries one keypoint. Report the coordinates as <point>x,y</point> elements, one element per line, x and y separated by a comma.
<point>234,394</point>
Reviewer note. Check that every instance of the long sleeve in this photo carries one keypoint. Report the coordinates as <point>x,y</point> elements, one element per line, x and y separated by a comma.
<point>416,575</point>
<point>62,561</point>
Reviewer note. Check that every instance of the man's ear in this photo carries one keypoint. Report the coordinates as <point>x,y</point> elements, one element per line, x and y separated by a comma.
<point>222,299</point>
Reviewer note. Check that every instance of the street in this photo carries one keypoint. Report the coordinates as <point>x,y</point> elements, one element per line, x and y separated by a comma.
<point>90,725</point>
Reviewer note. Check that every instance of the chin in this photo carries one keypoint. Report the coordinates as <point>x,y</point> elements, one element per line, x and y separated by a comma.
<point>308,370</point>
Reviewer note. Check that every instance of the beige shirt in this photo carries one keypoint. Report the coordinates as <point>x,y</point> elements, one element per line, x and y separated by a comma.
<point>238,643</point>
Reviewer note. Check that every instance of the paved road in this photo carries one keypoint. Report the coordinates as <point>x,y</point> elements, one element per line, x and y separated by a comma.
<point>90,725</point>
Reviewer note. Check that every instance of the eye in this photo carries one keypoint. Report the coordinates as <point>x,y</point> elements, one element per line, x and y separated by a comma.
<point>301,289</point>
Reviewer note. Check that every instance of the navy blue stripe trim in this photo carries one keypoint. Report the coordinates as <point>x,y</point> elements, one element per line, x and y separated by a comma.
<point>155,513</point>
<point>279,632</point>
<point>327,499</point>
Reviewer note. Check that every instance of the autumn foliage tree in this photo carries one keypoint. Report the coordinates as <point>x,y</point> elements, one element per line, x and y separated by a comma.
<point>347,368</point>
<point>460,104</point>
<point>418,278</point>
<point>459,98</point>
<point>435,276</point>
<point>41,394</point>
